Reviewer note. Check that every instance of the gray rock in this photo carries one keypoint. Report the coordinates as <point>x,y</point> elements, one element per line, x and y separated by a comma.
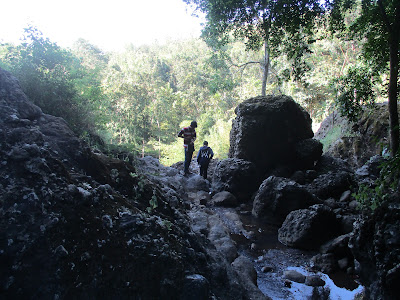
<point>345,197</point>
<point>325,263</point>
<point>308,228</point>
<point>266,130</point>
<point>338,246</point>
<point>277,197</point>
<point>245,270</point>
<point>224,198</point>
<point>236,176</point>
<point>196,183</point>
<point>314,280</point>
<point>307,152</point>
<point>220,237</point>
<point>60,251</point>
<point>294,275</point>
<point>331,184</point>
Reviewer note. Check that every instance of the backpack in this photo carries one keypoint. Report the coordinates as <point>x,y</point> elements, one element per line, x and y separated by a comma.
<point>204,156</point>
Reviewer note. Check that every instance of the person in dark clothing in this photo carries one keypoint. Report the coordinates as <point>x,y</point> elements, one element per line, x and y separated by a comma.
<point>203,158</point>
<point>189,136</point>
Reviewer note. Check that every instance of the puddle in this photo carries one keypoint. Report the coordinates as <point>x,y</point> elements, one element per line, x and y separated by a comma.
<point>259,242</point>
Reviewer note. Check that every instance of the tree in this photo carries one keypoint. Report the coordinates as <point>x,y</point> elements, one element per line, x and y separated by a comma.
<point>378,25</point>
<point>283,26</point>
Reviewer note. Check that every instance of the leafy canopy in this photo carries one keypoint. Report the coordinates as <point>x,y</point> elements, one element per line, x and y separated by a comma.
<point>284,26</point>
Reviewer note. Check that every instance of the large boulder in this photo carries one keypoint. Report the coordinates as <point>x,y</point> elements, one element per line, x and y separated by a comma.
<point>267,129</point>
<point>236,176</point>
<point>278,196</point>
<point>309,228</point>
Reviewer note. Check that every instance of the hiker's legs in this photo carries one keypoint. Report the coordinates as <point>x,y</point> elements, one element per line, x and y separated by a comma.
<point>188,159</point>
<point>201,170</point>
<point>205,168</point>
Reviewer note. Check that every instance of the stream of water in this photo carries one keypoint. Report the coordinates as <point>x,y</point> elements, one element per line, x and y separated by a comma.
<point>259,242</point>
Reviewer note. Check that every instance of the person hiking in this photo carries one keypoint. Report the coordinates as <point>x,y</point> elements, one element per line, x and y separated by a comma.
<point>203,158</point>
<point>189,136</point>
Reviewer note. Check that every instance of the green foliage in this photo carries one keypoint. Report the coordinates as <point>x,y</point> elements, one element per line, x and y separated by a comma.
<point>371,197</point>
<point>137,100</point>
<point>153,202</point>
<point>355,90</point>
<point>282,28</point>
<point>331,137</point>
<point>376,24</point>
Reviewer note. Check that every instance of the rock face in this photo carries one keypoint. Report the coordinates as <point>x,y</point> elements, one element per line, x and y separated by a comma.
<point>236,176</point>
<point>375,244</point>
<point>79,225</point>
<point>267,131</point>
<point>277,197</point>
<point>356,142</point>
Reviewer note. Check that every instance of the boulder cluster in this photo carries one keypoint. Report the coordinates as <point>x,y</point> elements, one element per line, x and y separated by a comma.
<point>309,195</point>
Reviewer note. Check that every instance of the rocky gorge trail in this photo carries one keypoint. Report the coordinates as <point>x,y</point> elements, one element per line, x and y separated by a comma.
<point>277,220</point>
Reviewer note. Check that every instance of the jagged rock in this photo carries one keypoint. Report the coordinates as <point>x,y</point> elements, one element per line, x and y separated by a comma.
<point>277,197</point>
<point>375,244</point>
<point>307,152</point>
<point>195,287</point>
<point>196,183</point>
<point>346,222</point>
<point>236,176</point>
<point>267,129</point>
<point>325,263</point>
<point>357,142</point>
<point>299,176</point>
<point>331,184</point>
<point>308,228</point>
<point>245,269</point>
<point>338,246</point>
<point>224,198</point>
<point>328,164</point>
<point>370,171</point>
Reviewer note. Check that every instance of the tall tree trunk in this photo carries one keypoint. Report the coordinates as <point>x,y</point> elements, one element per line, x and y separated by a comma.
<point>393,29</point>
<point>265,68</point>
<point>393,113</point>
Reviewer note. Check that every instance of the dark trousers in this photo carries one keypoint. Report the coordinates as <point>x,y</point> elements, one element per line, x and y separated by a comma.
<point>188,159</point>
<point>203,170</point>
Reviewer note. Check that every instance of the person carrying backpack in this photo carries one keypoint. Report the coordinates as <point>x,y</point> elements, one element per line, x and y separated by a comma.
<point>189,136</point>
<point>203,158</point>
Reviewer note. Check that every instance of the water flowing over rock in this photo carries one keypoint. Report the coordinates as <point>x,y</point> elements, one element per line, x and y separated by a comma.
<point>267,131</point>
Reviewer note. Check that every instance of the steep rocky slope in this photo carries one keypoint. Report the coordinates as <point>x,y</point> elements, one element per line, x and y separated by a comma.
<point>75,224</point>
<point>374,241</point>
<point>356,142</point>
